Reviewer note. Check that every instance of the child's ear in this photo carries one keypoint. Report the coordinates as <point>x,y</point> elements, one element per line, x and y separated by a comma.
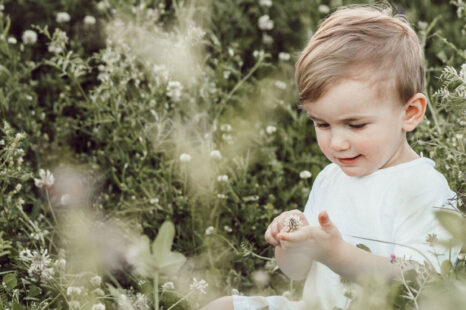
<point>413,111</point>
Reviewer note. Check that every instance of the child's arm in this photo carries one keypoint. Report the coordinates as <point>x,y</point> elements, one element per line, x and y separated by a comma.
<point>328,247</point>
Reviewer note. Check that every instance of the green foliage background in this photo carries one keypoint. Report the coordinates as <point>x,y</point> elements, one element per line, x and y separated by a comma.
<point>101,106</point>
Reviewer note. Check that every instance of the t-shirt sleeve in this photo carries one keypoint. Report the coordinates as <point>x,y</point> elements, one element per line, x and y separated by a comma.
<point>414,221</point>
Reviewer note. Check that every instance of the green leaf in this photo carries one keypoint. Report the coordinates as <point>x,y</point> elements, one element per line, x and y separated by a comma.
<point>18,306</point>
<point>363,247</point>
<point>34,291</point>
<point>10,281</point>
<point>168,262</point>
<point>454,224</point>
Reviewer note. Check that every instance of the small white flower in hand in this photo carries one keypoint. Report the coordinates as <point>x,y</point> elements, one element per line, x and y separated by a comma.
<point>293,223</point>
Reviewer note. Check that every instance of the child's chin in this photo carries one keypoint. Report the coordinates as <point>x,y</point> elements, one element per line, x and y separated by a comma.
<point>355,171</point>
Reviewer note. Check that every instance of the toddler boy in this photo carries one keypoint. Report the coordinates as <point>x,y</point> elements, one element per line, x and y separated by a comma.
<point>360,80</point>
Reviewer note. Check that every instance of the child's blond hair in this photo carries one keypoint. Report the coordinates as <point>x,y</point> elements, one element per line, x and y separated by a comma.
<point>366,42</point>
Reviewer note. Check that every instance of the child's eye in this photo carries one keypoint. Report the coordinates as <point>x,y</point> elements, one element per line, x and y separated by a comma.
<point>321,125</point>
<point>357,126</point>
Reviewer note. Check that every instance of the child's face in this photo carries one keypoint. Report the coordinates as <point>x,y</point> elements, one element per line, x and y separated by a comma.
<point>359,130</point>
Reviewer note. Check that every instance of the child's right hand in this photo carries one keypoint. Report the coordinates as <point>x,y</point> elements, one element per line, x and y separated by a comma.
<point>278,224</point>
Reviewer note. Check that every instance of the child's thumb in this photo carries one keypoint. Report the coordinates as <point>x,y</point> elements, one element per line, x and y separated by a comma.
<point>324,220</point>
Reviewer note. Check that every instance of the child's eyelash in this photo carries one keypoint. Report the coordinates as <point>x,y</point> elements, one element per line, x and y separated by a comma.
<point>357,126</point>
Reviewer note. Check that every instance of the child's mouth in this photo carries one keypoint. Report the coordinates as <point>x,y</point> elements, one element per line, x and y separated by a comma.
<point>349,160</point>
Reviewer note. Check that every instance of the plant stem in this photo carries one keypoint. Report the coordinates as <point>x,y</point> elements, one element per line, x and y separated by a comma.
<point>50,206</point>
<point>180,300</point>
<point>156,291</point>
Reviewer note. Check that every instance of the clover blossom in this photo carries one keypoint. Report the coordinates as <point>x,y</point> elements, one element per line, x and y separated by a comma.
<point>46,179</point>
<point>199,286</point>
<point>293,223</point>
<point>29,37</point>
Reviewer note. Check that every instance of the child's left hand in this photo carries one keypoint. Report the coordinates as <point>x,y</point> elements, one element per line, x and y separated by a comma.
<point>322,241</point>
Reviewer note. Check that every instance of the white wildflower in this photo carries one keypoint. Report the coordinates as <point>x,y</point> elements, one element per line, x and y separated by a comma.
<point>25,255</point>
<point>96,281</point>
<point>154,201</point>
<point>74,291</point>
<point>40,268</point>
<point>99,306</point>
<point>185,158</point>
<point>29,37</point>
<point>280,84</point>
<point>293,222</point>
<point>226,74</point>
<point>46,179</point>
<point>12,40</point>
<point>258,54</point>
<point>227,228</point>
<point>63,17</point>
<point>167,286</point>
<point>140,302</point>
<point>102,5</point>
<point>225,127</point>
<point>215,155</point>
<point>265,23</point>
<point>209,230</point>
<point>222,178</point>
<point>266,3</point>
<point>305,174</point>
<point>270,129</point>
<point>266,39</point>
<point>174,89</point>
<point>324,9</point>
<point>284,56</point>
<point>199,286</point>
<point>261,278</point>
<point>74,305</point>
<point>422,25</point>
<point>89,20</point>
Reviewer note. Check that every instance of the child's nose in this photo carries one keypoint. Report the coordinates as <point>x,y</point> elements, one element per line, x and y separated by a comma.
<point>338,142</point>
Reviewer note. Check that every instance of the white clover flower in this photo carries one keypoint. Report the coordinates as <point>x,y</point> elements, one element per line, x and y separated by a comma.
<point>102,5</point>
<point>185,158</point>
<point>265,23</point>
<point>96,281</point>
<point>280,84</point>
<point>174,89</point>
<point>12,40</point>
<point>222,178</point>
<point>140,302</point>
<point>209,230</point>
<point>60,263</point>
<point>266,39</point>
<point>63,17</point>
<point>421,25</point>
<point>227,228</point>
<point>29,37</point>
<point>215,155</point>
<point>266,3</point>
<point>25,255</point>
<point>89,20</point>
<point>270,129</point>
<point>324,9</point>
<point>293,222</point>
<point>74,291</point>
<point>284,56</point>
<point>225,127</point>
<point>305,174</point>
<point>226,74</point>
<point>74,305</point>
<point>167,286</point>
<point>260,277</point>
<point>46,179</point>
<point>199,286</point>
<point>99,306</point>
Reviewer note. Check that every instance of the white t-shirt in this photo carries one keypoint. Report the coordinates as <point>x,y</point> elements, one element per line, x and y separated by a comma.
<point>394,204</point>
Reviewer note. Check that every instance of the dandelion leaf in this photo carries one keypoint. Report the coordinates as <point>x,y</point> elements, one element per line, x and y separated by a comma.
<point>168,262</point>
